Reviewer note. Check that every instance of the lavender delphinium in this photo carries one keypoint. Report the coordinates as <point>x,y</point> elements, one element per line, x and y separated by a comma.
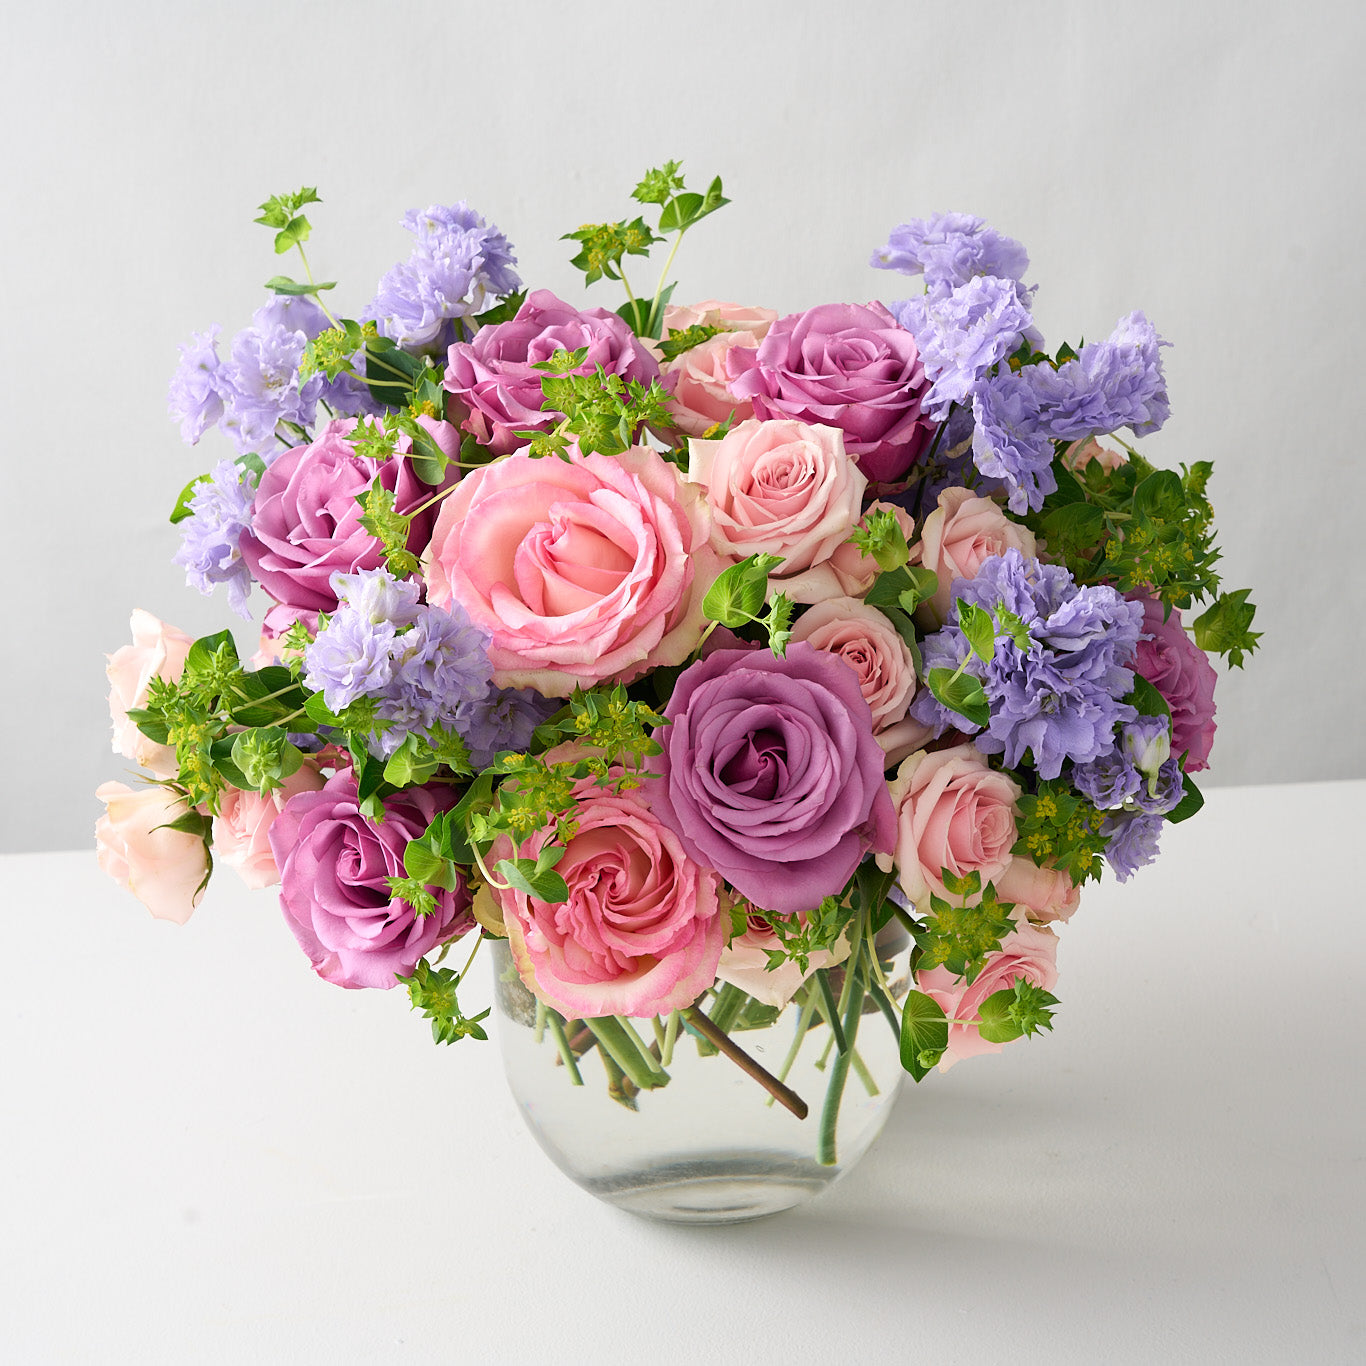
<point>195,400</point>
<point>1132,841</point>
<point>261,386</point>
<point>1059,699</point>
<point>949,249</point>
<point>459,266</point>
<point>220,510</point>
<point>1139,774</point>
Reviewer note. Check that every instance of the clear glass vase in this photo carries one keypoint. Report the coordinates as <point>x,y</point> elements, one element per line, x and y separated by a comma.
<point>712,1146</point>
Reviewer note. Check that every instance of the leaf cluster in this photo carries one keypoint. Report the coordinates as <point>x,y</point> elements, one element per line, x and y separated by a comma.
<point>432,990</point>
<point>737,599</point>
<point>600,412</point>
<point>961,937</point>
<point>1058,828</point>
<point>281,212</point>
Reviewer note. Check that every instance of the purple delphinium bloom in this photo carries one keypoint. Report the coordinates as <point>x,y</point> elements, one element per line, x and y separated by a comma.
<point>949,249</point>
<point>1108,782</point>
<point>963,334</point>
<point>1060,698</point>
<point>220,510</point>
<point>195,400</point>
<point>503,718</point>
<point>350,658</point>
<point>1140,774</point>
<point>376,595</point>
<point>1009,443</point>
<point>261,386</point>
<point>347,395</point>
<point>441,666</point>
<point>458,268</point>
<point>1133,839</point>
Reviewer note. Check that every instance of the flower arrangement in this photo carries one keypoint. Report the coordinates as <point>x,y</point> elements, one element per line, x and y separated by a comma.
<point>692,650</point>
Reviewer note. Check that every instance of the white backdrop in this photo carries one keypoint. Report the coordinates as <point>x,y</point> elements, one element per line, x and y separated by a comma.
<point>1199,162</point>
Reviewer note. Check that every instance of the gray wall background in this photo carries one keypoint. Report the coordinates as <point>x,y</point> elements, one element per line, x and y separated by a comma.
<point>1199,161</point>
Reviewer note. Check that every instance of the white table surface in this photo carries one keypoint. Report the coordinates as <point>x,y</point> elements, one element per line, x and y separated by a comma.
<point>210,1155</point>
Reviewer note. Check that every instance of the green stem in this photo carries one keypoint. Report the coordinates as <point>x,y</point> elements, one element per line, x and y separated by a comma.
<point>562,1045</point>
<point>666,1055</point>
<point>318,298</point>
<point>839,1073</point>
<point>884,1004</point>
<point>627,1051</point>
<point>659,288</point>
<point>540,1021</point>
<point>864,1075</point>
<point>829,1009</point>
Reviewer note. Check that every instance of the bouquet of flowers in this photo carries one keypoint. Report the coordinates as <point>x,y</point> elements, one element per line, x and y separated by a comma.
<point>692,650</point>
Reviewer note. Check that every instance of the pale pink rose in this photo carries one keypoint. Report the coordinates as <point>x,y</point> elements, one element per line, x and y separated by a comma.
<point>162,868</point>
<point>954,812</point>
<point>241,829</point>
<point>744,964</point>
<point>1047,894</point>
<point>1029,951</point>
<point>581,570</point>
<point>780,488</point>
<point>701,387</point>
<point>641,932</point>
<point>957,536</point>
<point>848,573</point>
<point>1082,453</point>
<point>157,651</point>
<point>720,313</point>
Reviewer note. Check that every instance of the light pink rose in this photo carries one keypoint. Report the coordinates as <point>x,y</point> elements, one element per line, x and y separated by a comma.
<point>157,651</point>
<point>744,964</point>
<point>241,829</point>
<point>1029,951</point>
<point>848,573</point>
<point>701,388</point>
<point>780,488</point>
<point>953,812</point>
<point>641,932</point>
<point>866,640</point>
<point>957,536</point>
<point>1046,894</point>
<point>162,868</point>
<point>1082,453</point>
<point>581,570</point>
<point>720,313</point>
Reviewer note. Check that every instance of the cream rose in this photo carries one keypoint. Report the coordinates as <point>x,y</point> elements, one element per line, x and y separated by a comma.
<point>157,651</point>
<point>163,868</point>
<point>1046,894</point>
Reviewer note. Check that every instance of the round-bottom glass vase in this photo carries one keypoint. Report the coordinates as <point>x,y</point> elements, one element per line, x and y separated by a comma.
<point>711,1146</point>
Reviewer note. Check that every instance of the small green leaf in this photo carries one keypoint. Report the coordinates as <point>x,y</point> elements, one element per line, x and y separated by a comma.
<point>961,693</point>
<point>1146,700</point>
<point>1189,804</point>
<point>924,1034</point>
<point>543,884</point>
<point>738,594</point>
<point>977,625</point>
<point>182,504</point>
<point>282,284</point>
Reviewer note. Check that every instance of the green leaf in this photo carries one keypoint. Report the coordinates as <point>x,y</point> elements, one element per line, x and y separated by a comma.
<point>545,884</point>
<point>1189,804</point>
<point>1016,1010</point>
<point>1224,627</point>
<point>411,764</point>
<point>658,184</point>
<point>738,594</point>
<point>967,885</point>
<point>420,861</point>
<point>282,284</point>
<point>202,652</point>
<point>680,212</point>
<point>151,723</point>
<point>924,1034</point>
<point>1146,700</point>
<point>961,693</point>
<point>1161,495</point>
<point>1074,526</point>
<point>182,504</point>
<point>977,625</point>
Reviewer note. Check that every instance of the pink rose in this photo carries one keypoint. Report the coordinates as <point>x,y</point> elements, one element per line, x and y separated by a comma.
<point>1082,453</point>
<point>744,964</point>
<point>157,651</point>
<point>954,812</point>
<point>957,536</point>
<point>848,573</point>
<point>1046,894</point>
<point>866,640</point>
<point>701,387</point>
<point>641,932</point>
<point>780,488</point>
<point>241,829</point>
<point>719,313</point>
<point>1180,670</point>
<point>581,570</point>
<point>1029,951</point>
<point>163,868</point>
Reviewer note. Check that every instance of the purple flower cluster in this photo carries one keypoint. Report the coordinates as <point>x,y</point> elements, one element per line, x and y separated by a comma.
<point>1139,774</point>
<point>459,267</point>
<point>949,249</point>
<point>220,510</point>
<point>427,668</point>
<point>1060,698</point>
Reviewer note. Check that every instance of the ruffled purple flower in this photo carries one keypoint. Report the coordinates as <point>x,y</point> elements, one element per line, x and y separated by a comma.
<point>1140,774</point>
<point>351,657</point>
<point>220,510</point>
<point>1133,839</point>
<point>1009,442</point>
<point>441,666</point>
<point>503,719</point>
<point>459,267</point>
<point>195,399</point>
<point>949,249</point>
<point>260,383</point>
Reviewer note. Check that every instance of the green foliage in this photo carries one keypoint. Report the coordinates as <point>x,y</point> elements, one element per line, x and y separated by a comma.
<point>602,247</point>
<point>282,284</point>
<point>904,588</point>
<point>1189,804</point>
<point>265,757</point>
<point>601,412</point>
<point>676,343</point>
<point>536,877</point>
<point>1224,627</point>
<point>433,992</point>
<point>880,535</point>
<point>819,931</point>
<point>737,596</point>
<point>962,693</point>
<point>924,1034</point>
<point>333,352</point>
<point>281,212</point>
<point>1057,828</point>
<point>389,527</point>
<point>1016,1010</point>
<point>978,628</point>
<point>659,185</point>
<point>962,937</point>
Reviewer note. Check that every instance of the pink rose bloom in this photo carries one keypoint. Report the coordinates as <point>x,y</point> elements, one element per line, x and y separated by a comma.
<point>957,536</point>
<point>848,366</point>
<point>305,522</point>
<point>848,573</point>
<point>165,869</point>
<point>720,313</point>
<point>780,488</point>
<point>241,829</point>
<point>157,651</point>
<point>495,378</point>
<point>866,640</point>
<point>1030,952</point>
<point>581,570</point>
<point>1082,453</point>
<point>954,812</point>
<point>1046,894</point>
<point>698,378</point>
<point>744,964</point>
<point>1180,670</point>
<point>641,932</point>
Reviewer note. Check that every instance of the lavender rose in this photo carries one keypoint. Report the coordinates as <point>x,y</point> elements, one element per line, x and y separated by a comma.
<point>1180,670</point>
<point>334,870</point>
<point>494,375</point>
<point>770,774</point>
<point>849,366</point>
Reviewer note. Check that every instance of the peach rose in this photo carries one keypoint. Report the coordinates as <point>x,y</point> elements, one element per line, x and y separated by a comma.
<point>744,964</point>
<point>848,573</point>
<point>1029,951</point>
<point>780,488</point>
<point>157,651</point>
<point>954,812</point>
<point>1047,894</point>
<point>163,868</point>
<point>581,570</point>
<point>241,829</point>
<point>957,536</point>
<point>1082,453</point>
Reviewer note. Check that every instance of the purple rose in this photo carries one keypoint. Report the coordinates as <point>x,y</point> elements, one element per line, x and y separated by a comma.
<point>494,375</point>
<point>334,870</point>
<point>305,521</point>
<point>1180,670</point>
<point>847,366</point>
<point>770,774</point>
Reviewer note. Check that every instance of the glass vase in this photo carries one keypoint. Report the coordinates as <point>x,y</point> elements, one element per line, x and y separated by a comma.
<point>713,1145</point>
